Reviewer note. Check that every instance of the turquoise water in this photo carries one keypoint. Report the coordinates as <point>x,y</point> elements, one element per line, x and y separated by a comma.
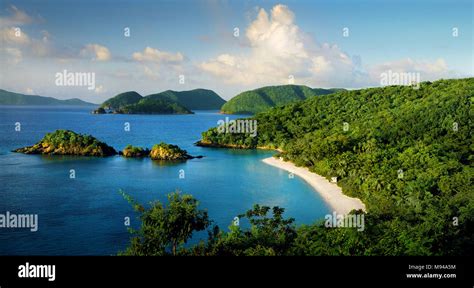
<point>85,215</point>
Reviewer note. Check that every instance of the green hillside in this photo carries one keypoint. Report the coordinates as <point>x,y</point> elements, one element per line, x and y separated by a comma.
<point>406,153</point>
<point>12,98</point>
<point>122,99</point>
<point>197,99</point>
<point>262,99</point>
<point>167,102</point>
<point>154,106</point>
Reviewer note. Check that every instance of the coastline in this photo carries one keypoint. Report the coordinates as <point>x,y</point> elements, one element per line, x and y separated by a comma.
<point>200,143</point>
<point>330,192</point>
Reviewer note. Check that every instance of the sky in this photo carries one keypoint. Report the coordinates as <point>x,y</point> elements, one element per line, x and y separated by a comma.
<point>228,46</point>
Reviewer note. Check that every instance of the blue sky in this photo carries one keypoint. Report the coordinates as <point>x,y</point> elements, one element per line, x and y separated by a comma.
<point>195,39</point>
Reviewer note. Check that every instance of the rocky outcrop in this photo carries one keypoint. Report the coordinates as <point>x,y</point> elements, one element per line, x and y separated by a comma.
<point>135,152</point>
<point>165,151</point>
<point>99,110</point>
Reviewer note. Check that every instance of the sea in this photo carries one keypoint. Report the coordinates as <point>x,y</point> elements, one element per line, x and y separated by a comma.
<point>78,200</point>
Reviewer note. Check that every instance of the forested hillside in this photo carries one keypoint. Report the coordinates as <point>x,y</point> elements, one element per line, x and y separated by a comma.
<point>197,99</point>
<point>262,99</point>
<point>406,153</point>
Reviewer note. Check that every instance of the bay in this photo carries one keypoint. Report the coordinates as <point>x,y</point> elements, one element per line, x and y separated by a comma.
<point>86,215</point>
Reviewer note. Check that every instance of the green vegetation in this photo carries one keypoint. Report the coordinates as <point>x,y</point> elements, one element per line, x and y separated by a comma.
<point>267,236</point>
<point>168,102</point>
<point>165,151</point>
<point>165,229</point>
<point>99,110</point>
<point>406,153</point>
<point>197,99</point>
<point>154,106</point>
<point>162,151</point>
<point>65,142</point>
<point>264,98</point>
<point>122,99</point>
<point>11,98</point>
<point>133,151</point>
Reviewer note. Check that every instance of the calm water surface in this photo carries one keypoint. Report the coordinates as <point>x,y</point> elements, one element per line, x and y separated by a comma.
<point>85,215</point>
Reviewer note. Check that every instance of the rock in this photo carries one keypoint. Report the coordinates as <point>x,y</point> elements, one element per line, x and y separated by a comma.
<point>99,110</point>
<point>165,151</point>
<point>132,151</point>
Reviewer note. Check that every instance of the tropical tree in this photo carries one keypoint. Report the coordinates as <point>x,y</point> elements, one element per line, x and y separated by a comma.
<point>166,228</point>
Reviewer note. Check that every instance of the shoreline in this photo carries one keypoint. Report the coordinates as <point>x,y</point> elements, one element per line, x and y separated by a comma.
<point>230,146</point>
<point>330,192</point>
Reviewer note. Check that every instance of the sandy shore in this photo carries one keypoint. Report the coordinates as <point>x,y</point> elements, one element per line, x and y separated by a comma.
<point>330,192</point>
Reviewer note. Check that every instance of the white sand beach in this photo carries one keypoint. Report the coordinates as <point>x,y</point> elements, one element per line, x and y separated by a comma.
<point>330,192</point>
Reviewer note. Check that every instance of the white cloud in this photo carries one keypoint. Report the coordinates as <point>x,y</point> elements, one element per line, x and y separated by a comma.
<point>280,49</point>
<point>96,52</point>
<point>154,75</point>
<point>12,55</point>
<point>16,17</point>
<point>42,47</point>
<point>161,65</point>
<point>14,36</point>
<point>428,70</point>
<point>14,39</point>
<point>150,54</point>
<point>29,91</point>
<point>17,43</point>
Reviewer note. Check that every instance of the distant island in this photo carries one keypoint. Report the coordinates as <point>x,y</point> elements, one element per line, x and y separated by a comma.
<point>12,98</point>
<point>167,102</point>
<point>66,142</point>
<point>262,99</point>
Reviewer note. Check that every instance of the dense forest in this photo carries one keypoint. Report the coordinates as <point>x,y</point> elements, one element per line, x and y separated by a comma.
<point>197,99</point>
<point>405,152</point>
<point>154,106</point>
<point>122,99</point>
<point>262,99</point>
<point>133,103</point>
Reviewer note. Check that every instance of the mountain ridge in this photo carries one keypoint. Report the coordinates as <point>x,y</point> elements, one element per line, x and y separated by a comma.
<point>176,102</point>
<point>13,98</point>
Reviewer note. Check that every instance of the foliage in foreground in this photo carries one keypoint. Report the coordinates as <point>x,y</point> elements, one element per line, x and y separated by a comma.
<point>165,229</point>
<point>264,231</point>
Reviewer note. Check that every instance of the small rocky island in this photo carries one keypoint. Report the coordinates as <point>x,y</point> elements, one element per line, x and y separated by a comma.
<point>166,102</point>
<point>133,103</point>
<point>66,142</point>
<point>134,152</point>
<point>165,151</point>
<point>162,151</point>
<point>99,110</point>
